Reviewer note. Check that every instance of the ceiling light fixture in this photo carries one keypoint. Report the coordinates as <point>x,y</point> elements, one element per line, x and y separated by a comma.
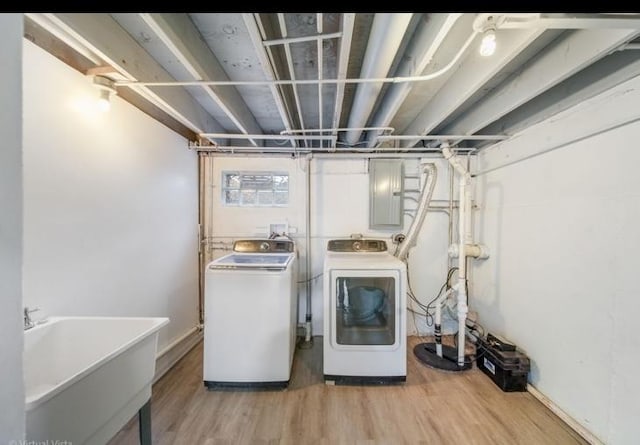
<point>488,45</point>
<point>487,24</point>
<point>106,87</point>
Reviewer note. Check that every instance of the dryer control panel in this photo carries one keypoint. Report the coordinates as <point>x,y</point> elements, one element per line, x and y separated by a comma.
<point>357,245</point>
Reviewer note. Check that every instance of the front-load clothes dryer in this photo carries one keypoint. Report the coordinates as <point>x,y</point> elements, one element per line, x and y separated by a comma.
<point>250,315</point>
<point>365,332</point>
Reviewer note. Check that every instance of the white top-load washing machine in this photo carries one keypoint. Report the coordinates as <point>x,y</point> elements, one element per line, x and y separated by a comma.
<point>250,315</point>
<point>365,332</point>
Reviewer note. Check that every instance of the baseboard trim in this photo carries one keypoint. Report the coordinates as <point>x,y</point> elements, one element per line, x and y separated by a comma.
<point>566,418</point>
<point>170,355</point>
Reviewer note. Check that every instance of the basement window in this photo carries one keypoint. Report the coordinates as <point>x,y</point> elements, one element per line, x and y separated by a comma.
<point>255,188</point>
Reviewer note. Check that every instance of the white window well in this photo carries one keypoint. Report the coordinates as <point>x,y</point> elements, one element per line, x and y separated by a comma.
<point>255,188</point>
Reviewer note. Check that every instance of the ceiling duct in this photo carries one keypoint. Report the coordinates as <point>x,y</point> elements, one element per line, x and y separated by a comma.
<point>387,33</point>
<point>429,35</point>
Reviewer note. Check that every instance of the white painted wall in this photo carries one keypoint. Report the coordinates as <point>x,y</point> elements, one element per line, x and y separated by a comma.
<point>340,207</point>
<point>11,388</point>
<point>110,205</point>
<point>561,281</point>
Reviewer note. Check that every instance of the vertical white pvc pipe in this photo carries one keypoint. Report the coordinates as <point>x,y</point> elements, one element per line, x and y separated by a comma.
<point>463,240</point>
<point>462,269</point>
<point>307,337</point>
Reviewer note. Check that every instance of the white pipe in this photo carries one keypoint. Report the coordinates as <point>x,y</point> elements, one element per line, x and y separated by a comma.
<point>464,237</point>
<point>274,150</point>
<point>412,234</point>
<point>481,137</point>
<point>387,32</point>
<point>320,56</point>
<point>272,83</point>
<point>334,129</point>
<point>307,337</point>
<point>290,134</point>
<point>288,40</point>
<point>462,270</point>
<point>266,136</point>
<point>327,155</point>
<point>426,40</point>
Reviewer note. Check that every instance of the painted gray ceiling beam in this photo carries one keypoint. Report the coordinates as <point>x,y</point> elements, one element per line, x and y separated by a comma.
<point>256,38</point>
<point>106,38</point>
<point>602,75</point>
<point>386,35</point>
<point>182,38</point>
<point>348,21</point>
<point>425,42</point>
<point>570,21</point>
<point>562,59</point>
<point>468,78</point>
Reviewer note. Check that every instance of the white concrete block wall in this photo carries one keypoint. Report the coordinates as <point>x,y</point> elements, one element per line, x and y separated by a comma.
<point>339,208</point>
<point>560,283</point>
<point>110,205</point>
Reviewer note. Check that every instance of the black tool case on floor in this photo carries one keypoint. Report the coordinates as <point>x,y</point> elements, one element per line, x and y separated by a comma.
<point>507,368</point>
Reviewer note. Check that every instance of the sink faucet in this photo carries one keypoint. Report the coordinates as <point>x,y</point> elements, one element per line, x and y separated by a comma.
<point>28,323</point>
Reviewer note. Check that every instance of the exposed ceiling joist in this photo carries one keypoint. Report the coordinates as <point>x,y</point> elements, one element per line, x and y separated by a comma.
<point>387,33</point>
<point>292,75</point>
<point>268,74</point>
<point>430,33</point>
<point>102,34</point>
<point>470,76</point>
<point>256,38</point>
<point>348,21</point>
<point>607,73</point>
<point>51,43</point>
<point>179,34</point>
<point>564,57</point>
<point>568,21</point>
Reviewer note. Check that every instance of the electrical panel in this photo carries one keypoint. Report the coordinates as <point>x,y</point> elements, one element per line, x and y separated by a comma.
<point>386,194</point>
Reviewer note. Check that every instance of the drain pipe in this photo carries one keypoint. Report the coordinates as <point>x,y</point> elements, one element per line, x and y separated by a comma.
<point>387,32</point>
<point>464,248</point>
<point>307,326</point>
<point>461,286</point>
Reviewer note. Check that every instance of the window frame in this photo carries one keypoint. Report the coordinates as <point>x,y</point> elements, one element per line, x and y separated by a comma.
<point>240,173</point>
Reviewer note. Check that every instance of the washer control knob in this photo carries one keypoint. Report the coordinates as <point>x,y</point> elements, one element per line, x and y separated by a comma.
<point>356,245</point>
<point>264,246</point>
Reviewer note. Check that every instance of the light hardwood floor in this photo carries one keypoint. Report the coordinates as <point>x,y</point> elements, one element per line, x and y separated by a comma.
<point>431,407</point>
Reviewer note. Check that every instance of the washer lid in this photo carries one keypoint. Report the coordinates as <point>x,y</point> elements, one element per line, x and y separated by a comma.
<point>270,261</point>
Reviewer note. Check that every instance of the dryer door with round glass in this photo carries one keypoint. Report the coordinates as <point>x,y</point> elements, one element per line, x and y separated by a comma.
<point>365,309</point>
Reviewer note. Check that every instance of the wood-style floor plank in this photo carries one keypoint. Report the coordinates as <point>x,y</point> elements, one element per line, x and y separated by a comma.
<point>431,407</point>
